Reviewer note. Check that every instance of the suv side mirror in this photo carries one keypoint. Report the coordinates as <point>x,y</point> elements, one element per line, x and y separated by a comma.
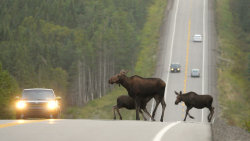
<point>58,98</point>
<point>17,97</point>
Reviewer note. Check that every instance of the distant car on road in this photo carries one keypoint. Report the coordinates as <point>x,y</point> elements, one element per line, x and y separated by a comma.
<point>175,67</point>
<point>197,38</point>
<point>195,73</point>
<point>38,102</point>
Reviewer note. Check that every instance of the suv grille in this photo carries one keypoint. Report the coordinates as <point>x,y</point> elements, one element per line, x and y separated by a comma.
<point>36,105</point>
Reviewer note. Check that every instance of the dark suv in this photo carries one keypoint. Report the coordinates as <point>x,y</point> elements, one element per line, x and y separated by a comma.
<point>38,102</point>
<point>176,67</point>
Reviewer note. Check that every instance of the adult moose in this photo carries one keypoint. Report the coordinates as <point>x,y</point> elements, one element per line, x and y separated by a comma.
<point>142,90</point>
<point>191,99</point>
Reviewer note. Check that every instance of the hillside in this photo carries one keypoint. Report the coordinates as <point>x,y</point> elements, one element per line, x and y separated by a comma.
<point>71,46</point>
<point>233,20</point>
<point>144,66</point>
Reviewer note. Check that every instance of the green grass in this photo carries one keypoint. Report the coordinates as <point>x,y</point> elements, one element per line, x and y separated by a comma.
<point>100,108</point>
<point>146,61</point>
<point>145,66</point>
<point>233,86</point>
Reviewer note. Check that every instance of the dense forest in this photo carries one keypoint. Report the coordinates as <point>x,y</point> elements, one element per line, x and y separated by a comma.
<point>72,46</point>
<point>233,26</point>
<point>145,65</point>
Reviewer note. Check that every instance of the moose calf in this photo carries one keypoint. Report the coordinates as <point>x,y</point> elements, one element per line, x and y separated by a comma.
<point>191,99</point>
<point>127,102</point>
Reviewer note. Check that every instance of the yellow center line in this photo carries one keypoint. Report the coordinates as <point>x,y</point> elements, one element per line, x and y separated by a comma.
<point>19,122</point>
<point>186,65</point>
<point>187,53</point>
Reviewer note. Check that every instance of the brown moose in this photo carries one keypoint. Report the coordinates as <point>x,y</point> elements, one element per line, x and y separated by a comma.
<point>191,99</point>
<point>142,90</point>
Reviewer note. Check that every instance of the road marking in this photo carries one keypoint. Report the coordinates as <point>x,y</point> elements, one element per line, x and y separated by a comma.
<point>171,47</point>
<point>186,65</point>
<point>203,55</point>
<point>164,130</point>
<point>187,53</point>
<point>19,122</point>
<point>170,58</point>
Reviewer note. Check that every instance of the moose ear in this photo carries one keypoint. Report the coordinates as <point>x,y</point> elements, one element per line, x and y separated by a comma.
<point>123,71</point>
<point>126,71</point>
<point>176,93</point>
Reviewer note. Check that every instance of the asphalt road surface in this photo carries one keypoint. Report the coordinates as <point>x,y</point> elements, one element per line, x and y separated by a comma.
<point>94,130</point>
<point>184,18</point>
<point>188,18</point>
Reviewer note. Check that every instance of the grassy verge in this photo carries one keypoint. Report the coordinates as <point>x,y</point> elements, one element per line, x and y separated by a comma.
<point>99,108</point>
<point>146,61</point>
<point>233,85</point>
<point>102,108</point>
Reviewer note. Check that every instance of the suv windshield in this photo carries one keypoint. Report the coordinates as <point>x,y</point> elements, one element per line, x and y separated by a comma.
<point>175,65</point>
<point>195,70</point>
<point>38,94</point>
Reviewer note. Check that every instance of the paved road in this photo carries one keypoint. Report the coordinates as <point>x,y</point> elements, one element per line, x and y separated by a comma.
<point>96,130</point>
<point>184,18</point>
<point>188,18</point>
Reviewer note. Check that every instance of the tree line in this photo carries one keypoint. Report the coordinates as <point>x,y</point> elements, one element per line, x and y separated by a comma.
<point>72,46</point>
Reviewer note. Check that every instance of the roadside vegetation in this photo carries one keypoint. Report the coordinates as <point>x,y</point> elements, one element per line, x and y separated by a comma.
<point>144,66</point>
<point>233,27</point>
<point>8,89</point>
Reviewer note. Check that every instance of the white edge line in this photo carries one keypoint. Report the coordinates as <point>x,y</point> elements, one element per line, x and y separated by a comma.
<point>170,58</point>
<point>203,56</point>
<point>164,130</point>
<point>171,48</point>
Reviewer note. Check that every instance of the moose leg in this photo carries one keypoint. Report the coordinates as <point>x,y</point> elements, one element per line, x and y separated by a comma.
<point>143,115</point>
<point>163,104</point>
<point>208,117</point>
<point>137,107</point>
<point>146,111</point>
<point>211,113</point>
<point>117,109</point>
<point>156,106</point>
<point>190,116</point>
<point>187,110</point>
<point>114,108</point>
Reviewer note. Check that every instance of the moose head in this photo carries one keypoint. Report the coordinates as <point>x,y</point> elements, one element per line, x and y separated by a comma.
<point>178,97</point>
<point>118,77</point>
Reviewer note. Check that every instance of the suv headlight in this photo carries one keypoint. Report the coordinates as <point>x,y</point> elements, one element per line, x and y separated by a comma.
<point>20,104</point>
<point>52,105</point>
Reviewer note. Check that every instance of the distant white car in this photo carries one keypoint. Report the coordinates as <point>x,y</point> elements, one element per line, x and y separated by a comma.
<point>197,38</point>
<point>195,73</point>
